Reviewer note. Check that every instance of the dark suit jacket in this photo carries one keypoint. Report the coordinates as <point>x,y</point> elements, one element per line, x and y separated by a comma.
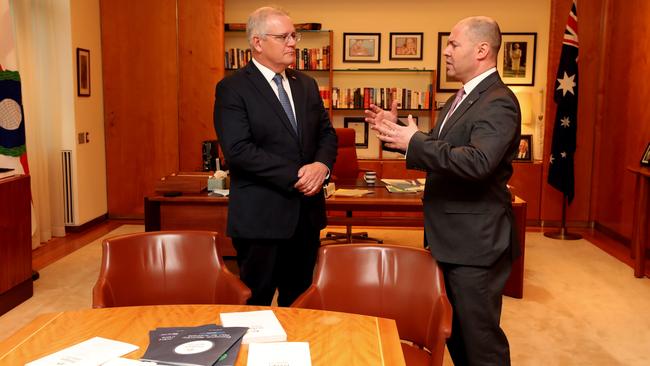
<point>467,205</point>
<point>264,153</point>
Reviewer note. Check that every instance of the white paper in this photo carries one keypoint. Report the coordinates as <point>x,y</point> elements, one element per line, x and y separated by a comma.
<point>92,352</point>
<point>279,353</point>
<point>127,362</point>
<point>263,326</point>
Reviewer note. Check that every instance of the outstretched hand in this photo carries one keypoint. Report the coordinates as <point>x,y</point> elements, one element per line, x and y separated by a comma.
<point>375,114</point>
<point>394,135</point>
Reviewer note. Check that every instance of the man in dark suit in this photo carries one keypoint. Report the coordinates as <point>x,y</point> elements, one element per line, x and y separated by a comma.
<point>280,146</point>
<point>469,226</point>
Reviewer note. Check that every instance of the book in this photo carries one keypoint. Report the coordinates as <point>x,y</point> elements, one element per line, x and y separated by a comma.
<point>351,192</point>
<point>404,185</point>
<point>263,325</point>
<point>280,353</point>
<point>204,345</point>
<point>94,351</point>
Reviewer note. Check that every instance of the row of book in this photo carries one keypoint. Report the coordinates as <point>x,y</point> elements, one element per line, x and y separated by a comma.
<point>306,58</point>
<point>361,98</point>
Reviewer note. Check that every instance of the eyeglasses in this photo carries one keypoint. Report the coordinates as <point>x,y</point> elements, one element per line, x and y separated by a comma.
<point>286,37</point>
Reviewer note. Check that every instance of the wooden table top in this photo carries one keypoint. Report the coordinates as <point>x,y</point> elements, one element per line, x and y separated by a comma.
<point>334,338</point>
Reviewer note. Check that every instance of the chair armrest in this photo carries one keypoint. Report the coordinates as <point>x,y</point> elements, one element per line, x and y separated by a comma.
<point>310,299</point>
<point>231,290</point>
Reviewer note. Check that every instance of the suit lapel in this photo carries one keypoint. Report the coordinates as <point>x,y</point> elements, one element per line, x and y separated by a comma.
<point>263,86</point>
<point>468,102</point>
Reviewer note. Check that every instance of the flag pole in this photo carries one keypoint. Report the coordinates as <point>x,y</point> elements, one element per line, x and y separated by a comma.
<point>563,234</point>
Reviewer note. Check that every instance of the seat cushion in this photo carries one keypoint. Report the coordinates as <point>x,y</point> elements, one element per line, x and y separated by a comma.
<point>415,356</point>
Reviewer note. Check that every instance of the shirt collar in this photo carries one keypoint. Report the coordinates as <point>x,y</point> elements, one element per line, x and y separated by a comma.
<point>268,73</point>
<point>470,85</point>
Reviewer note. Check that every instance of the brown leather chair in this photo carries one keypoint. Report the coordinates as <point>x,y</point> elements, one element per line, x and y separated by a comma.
<point>389,281</point>
<point>165,267</point>
<point>346,168</point>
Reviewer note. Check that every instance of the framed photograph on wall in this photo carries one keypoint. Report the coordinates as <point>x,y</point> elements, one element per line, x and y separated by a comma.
<point>645,159</point>
<point>360,127</point>
<point>406,46</point>
<point>83,72</point>
<point>445,83</point>
<point>525,148</point>
<point>516,60</point>
<point>361,47</point>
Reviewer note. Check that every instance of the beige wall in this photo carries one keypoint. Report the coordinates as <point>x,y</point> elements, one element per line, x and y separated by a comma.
<point>90,167</point>
<point>429,17</point>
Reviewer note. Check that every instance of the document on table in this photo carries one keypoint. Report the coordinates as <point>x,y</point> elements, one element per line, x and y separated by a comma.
<point>92,352</point>
<point>263,325</point>
<point>404,185</point>
<point>279,353</point>
<point>351,192</point>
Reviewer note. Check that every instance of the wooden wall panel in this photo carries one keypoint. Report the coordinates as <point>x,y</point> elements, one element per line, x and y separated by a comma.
<point>526,183</point>
<point>140,99</point>
<point>201,65</point>
<point>625,128</point>
<point>589,17</point>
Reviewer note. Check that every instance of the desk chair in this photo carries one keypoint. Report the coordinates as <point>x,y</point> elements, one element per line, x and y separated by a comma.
<point>346,167</point>
<point>165,267</point>
<point>389,281</point>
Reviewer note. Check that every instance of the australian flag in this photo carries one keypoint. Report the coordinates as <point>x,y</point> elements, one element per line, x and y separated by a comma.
<point>563,146</point>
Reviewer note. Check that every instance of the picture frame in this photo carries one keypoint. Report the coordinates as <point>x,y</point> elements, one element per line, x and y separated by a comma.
<point>361,47</point>
<point>360,127</point>
<point>444,83</point>
<point>83,72</point>
<point>516,59</point>
<point>645,158</point>
<point>406,45</point>
<point>402,120</point>
<point>525,151</point>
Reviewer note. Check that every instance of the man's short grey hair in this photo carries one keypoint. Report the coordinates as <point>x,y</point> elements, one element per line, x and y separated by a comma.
<point>485,29</point>
<point>256,25</point>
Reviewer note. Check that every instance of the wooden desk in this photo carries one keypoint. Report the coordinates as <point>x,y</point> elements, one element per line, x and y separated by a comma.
<point>640,218</point>
<point>203,212</point>
<point>15,242</point>
<point>334,338</point>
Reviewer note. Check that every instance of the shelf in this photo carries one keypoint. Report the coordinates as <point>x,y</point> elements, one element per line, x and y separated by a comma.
<point>363,109</point>
<point>383,70</point>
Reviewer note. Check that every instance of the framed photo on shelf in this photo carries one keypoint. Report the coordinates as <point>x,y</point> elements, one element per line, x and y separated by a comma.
<point>516,60</point>
<point>83,72</point>
<point>406,46</point>
<point>361,47</point>
<point>525,148</point>
<point>444,83</point>
<point>645,159</point>
<point>360,127</point>
<point>402,120</point>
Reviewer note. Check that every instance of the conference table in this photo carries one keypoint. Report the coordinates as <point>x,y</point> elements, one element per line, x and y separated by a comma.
<point>203,211</point>
<point>334,338</point>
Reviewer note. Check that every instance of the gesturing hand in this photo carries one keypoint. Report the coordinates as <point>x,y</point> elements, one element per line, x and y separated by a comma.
<point>394,135</point>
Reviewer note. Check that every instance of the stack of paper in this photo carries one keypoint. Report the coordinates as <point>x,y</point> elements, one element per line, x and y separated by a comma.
<point>404,185</point>
<point>94,351</point>
<point>204,345</point>
<point>351,192</point>
<point>263,325</point>
<point>282,353</point>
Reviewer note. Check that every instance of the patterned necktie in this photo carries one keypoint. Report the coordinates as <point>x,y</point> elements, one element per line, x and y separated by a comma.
<point>284,100</point>
<point>459,96</point>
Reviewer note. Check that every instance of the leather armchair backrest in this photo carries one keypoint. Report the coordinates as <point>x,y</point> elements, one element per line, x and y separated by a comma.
<point>347,164</point>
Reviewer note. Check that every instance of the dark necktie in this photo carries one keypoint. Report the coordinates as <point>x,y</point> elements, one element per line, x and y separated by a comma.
<point>284,100</point>
<point>459,96</point>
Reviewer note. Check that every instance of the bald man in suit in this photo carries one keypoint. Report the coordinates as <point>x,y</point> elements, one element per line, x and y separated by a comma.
<point>469,225</point>
<point>280,146</point>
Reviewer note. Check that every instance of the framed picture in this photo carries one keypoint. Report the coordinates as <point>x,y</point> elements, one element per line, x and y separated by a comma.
<point>360,127</point>
<point>516,59</point>
<point>525,148</point>
<point>361,47</point>
<point>402,120</point>
<point>445,83</point>
<point>406,46</point>
<point>645,159</point>
<point>83,72</point>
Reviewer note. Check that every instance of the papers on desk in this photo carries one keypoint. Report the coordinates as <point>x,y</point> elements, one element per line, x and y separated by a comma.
<point>205,345</point>
<point>92,352</point>
<point>404,185</point>
<point>263,325</point>
<point>280,353</point>
<point>351,192</point>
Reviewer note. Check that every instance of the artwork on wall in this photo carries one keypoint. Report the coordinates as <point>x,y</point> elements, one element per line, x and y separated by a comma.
<point>83,72</point>
<point>516,60</point>
<point>525,148</point>
<point>360,127</point>
<point>361,47</point>
<point>406,46</point>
